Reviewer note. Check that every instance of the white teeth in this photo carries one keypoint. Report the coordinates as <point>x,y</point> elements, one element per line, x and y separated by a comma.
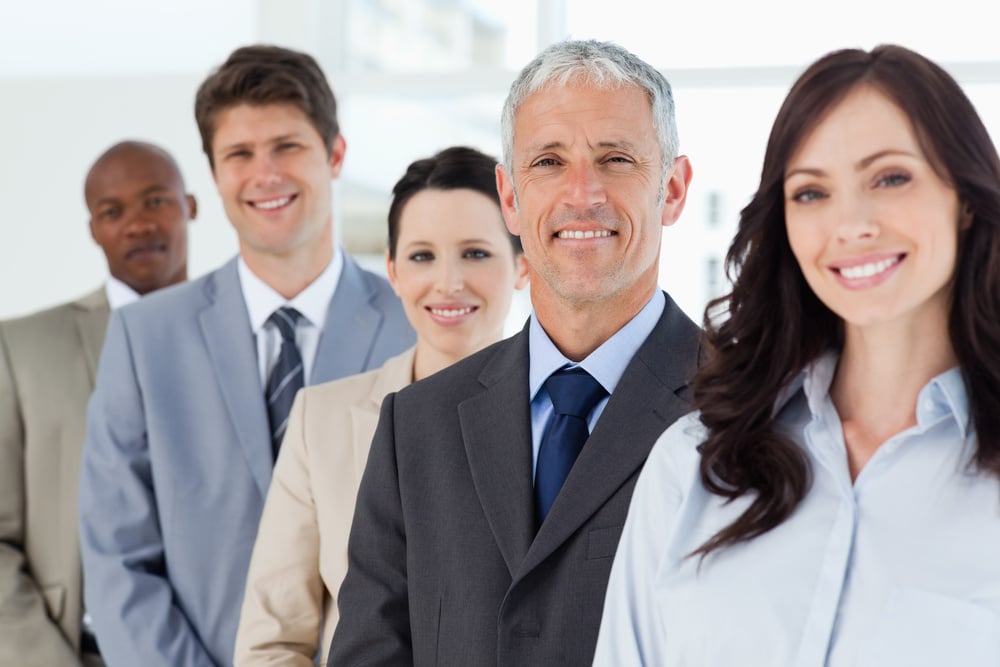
<point>451,312</point>
<point>868,270</point>
<point>584,235</point>
<point>273,204</point>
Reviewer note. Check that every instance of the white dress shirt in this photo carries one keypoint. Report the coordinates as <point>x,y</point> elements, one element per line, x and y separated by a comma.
<point>900,567</point>
<point>312,302</point>
<point>119,294</point>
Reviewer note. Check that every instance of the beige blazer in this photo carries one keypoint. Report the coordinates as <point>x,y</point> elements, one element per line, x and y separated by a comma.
<point>300,556</point>
<point>47,368</point>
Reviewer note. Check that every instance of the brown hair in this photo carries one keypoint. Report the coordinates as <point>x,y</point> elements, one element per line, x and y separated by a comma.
<point>260,75</point>
<point>776,325</point>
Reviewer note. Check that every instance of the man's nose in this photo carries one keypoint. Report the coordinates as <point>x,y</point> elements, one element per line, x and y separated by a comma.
<point>585,187</point>
<point>265,170</point>
<point>139,223</point>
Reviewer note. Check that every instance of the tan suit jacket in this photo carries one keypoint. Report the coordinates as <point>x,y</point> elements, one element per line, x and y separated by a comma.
<point>300,556</point>
<point>47,368</point>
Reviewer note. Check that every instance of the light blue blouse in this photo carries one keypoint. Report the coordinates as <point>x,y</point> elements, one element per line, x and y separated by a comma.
<point>901,567</point>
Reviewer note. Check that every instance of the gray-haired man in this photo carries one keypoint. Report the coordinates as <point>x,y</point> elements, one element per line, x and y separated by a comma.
<point>487,518</point>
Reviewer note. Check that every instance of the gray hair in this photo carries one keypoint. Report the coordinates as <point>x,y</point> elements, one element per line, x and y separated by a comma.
<point>603,64</point>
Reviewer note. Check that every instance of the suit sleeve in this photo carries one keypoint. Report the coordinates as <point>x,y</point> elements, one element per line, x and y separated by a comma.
<point>126,587</point>
<point>283,604</point>
<point>374,627</point>
<point>28,637</point>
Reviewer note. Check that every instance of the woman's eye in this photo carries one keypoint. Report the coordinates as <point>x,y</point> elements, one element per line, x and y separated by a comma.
<point>807,195</point>
<point>894,179</point>
<point>421,257</point>
<point>475,253</point>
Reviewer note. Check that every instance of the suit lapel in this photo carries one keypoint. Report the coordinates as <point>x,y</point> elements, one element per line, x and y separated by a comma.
<point>496,430</point>
<point>91,313</point>
<point>649,397</point>
<point>395,374</point>
<point>226,327</point>
<point>351,325</point>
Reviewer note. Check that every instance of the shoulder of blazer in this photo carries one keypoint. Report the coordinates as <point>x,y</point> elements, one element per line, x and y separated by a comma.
<point>192,296</point>
<point>475,372</point>
<point>54,319</point>
<point>673,349</point>
<point>364,390</point>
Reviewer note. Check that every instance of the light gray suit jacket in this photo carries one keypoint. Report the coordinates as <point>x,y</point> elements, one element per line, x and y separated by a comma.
<point>47,365</point>
<point>444,563</point>
<point>178,459</point>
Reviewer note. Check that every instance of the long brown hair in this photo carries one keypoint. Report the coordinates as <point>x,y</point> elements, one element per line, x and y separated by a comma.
<point>763,333</point>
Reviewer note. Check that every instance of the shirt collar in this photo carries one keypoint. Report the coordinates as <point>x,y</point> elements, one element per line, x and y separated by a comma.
<point>944,394</point>
<point>607,363</point>
<point>119,294</point>
<point>312,302</point>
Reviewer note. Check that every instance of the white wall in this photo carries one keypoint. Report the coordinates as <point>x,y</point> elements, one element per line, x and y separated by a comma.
<point>52,130</point>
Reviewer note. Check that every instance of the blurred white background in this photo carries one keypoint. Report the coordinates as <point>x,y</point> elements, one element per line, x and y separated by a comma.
<point>411,77</point>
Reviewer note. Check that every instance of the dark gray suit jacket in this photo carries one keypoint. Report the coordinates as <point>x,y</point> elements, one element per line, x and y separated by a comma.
<point>445,567</point>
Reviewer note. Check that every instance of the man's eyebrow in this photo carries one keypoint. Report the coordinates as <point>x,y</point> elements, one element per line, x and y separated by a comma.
<point>622,144</point>
<point>155,187</point>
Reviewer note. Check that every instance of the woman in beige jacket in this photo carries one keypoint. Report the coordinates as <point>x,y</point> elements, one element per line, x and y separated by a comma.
<point>455,267</point>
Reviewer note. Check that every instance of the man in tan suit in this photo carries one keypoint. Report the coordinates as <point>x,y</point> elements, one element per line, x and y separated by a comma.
<point>138,216</point>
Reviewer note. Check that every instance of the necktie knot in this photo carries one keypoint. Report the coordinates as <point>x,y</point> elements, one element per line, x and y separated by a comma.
<point>285,318</point>
<point>574,392</point>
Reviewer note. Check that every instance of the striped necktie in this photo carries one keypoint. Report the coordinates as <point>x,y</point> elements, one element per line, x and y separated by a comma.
<point>286,376</point>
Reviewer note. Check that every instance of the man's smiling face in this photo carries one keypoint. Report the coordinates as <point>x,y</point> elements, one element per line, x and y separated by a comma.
<point>273,173</point>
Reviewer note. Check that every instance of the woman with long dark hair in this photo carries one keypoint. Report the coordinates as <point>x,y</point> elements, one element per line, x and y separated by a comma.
<point>834,500</point>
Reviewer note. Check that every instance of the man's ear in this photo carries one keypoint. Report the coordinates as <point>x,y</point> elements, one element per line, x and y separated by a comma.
<point>675,194</point>
<point>508,201</point>
<point>521,270</point>
<point>192,204</point>
<point>337,151</point>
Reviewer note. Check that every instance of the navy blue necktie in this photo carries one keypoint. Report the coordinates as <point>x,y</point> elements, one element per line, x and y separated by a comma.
<point>286,376</point>
<point>574,394</point>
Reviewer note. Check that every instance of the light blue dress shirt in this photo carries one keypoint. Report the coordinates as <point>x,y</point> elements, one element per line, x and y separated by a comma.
<point>899,568</point>
<point>606,364</point>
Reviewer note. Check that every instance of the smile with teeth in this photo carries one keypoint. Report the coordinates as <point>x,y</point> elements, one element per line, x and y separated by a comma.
<point>589,234</point>
<point>271,204</point>
<point>868,270</point>
<point>452,312</point>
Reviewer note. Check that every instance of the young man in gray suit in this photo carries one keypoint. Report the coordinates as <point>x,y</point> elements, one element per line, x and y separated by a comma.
<point>496,490</point>
<point>194,385</point>
<point>139,213</point>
